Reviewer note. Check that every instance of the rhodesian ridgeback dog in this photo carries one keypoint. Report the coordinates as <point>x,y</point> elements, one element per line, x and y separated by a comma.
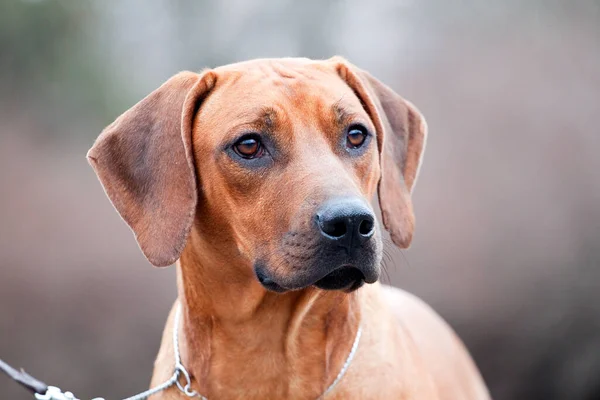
<point>256,179</point>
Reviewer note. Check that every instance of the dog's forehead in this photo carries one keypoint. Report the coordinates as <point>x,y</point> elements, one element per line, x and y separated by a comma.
<point>285,78</point>
<point>271,67</point>
<point>291,91</point>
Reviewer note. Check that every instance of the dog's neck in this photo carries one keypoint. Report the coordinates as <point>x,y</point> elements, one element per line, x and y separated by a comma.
<point>238,338</point>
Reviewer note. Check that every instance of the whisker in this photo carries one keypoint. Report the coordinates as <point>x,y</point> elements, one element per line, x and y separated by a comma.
<point>384,269</point>
<point>405,259</point>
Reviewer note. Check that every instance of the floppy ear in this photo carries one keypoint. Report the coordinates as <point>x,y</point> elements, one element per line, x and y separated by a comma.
<point>145,164</point>
<point>401,136</point>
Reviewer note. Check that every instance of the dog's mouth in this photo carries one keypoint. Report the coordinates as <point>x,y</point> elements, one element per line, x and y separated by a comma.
<point>346,278</point>
<point>267,282</point>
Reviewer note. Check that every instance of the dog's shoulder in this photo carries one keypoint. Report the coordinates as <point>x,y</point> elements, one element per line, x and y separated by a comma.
<point>411,311</point>
<point>441,350</point>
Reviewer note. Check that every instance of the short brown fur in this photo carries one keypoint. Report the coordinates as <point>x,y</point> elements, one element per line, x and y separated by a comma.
<point>164,164</point>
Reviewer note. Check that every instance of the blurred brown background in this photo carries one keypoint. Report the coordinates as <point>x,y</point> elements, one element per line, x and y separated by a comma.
<point>508,202</point>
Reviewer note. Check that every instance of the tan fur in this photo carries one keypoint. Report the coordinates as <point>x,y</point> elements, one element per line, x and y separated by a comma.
<point>164,167</point>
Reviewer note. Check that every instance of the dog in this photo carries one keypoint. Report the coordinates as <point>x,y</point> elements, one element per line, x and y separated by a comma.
<point>256,179</point>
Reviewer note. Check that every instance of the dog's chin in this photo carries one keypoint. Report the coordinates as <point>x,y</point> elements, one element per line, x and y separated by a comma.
<point>346,278</point>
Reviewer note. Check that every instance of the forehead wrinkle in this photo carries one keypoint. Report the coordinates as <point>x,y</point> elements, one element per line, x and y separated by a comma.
<point>295,72</point>
<point>342,113</point>
<point>339,110</point>
<point>264,116</point>
<point>284,71</point>
<point>269,117</point>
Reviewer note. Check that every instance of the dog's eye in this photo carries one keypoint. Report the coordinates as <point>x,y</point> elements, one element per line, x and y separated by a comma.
<point>356,136</point>
<point>248,146</point>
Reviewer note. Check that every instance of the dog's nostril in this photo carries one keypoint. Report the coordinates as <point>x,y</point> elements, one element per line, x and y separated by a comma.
<point>336,229</point>
<point>366,227</point>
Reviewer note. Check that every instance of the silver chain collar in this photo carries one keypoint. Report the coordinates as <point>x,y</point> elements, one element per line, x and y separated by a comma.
<point>54,393</point>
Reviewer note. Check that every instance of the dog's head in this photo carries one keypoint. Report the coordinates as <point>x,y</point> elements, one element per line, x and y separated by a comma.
<point>273,161</point>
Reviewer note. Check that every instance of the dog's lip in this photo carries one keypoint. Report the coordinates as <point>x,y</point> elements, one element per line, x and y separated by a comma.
<point>347,278</point>
<point>269,283</point>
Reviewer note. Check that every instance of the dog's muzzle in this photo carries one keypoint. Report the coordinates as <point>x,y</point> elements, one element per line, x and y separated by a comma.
<point>341,252</point>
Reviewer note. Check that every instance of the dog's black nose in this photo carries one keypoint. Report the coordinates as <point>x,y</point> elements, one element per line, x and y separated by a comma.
<point>346,220</point>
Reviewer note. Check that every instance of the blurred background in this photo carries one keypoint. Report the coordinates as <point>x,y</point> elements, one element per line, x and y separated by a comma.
<point>507,246</point>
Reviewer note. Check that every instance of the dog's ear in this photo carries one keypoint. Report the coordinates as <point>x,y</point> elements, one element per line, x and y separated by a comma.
<point>145,164</point>
<point>401,136</point>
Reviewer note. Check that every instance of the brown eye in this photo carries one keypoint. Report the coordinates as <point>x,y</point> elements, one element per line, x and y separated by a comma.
<point>248,147</point>
<point>356,136</point>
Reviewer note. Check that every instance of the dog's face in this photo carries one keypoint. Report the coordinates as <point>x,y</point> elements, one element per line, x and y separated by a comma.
<point>289,162</point>
<point>273,160</point>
